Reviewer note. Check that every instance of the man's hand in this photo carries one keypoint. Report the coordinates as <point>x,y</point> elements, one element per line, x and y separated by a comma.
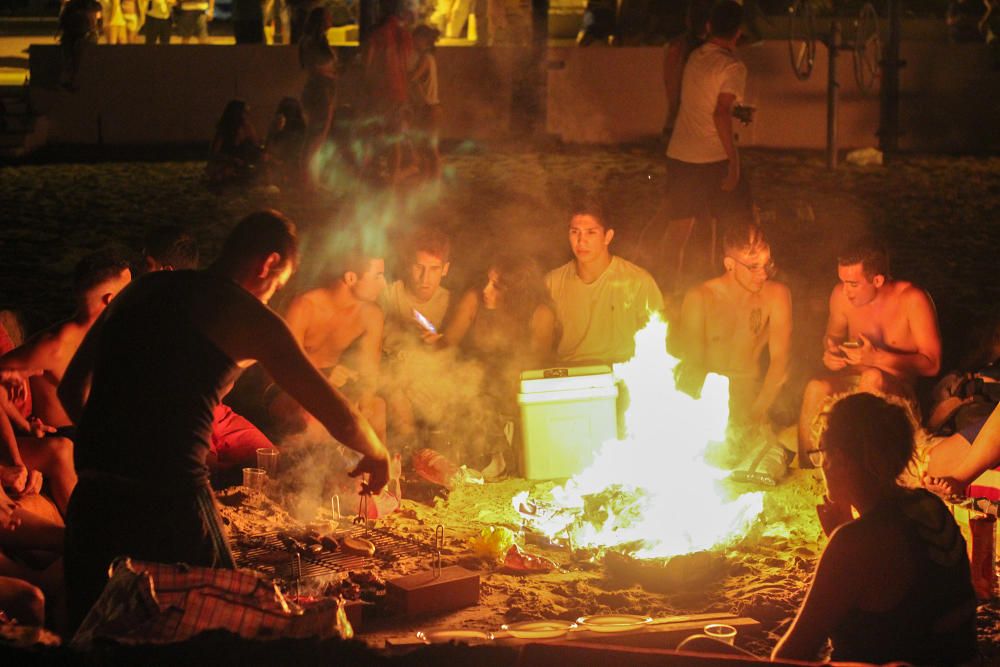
<point>832,515</point>
<point>732,178</point>
<point>430,338</point>
<point>377,470</point>
<point>341,375</point>
<point>946,487</point>
<point>15,383</point>
<point>861,355</point>
<point>40,429</point>
<point>14,478</point>
<point>833,358</point>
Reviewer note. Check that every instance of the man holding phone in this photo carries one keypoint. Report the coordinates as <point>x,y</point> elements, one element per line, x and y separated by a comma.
<point>881,335</point>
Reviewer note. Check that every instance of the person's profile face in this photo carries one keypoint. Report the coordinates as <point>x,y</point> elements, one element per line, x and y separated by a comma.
<point>858,289</point>
<point>752,268</point>
<point>426,273</point>
<point>371,283</point>
<point>588,238</point>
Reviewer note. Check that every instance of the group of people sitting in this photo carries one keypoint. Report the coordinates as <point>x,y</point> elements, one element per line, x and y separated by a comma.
<point>113,420</point>
<point>392,141</point>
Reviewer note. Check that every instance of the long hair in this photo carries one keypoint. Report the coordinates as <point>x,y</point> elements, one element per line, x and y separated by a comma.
<point>522,287</point>
<point>228,127</point>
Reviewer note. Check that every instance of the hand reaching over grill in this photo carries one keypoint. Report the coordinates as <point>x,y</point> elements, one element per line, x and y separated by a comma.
<point>377,470</point>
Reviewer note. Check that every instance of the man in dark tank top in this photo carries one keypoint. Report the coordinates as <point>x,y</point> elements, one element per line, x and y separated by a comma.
<point>142,389</point>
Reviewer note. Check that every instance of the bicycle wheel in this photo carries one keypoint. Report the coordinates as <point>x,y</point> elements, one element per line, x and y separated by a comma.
<point>867,48</point>
<point>801,38</point>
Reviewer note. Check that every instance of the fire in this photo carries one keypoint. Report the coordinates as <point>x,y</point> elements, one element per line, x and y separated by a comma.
<point>652,494</point>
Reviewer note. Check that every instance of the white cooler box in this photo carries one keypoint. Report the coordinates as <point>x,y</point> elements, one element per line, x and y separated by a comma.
<point>566,415</point>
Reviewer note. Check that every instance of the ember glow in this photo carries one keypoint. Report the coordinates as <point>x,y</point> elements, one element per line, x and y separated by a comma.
<point>651,494</point>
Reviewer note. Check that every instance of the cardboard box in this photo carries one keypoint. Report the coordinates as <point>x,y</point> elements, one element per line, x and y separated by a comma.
<point>566,415</point>
<point>452,587</point>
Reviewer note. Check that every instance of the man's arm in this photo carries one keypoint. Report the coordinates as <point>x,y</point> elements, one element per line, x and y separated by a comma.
<point>673,71</point>
<point>925,359</point>
<point>723,119</point>
<point>74,388</point>
<point>461,321</point>
<point>836,332</point>
<point>779,349</point>
<point>370,353</point>
<point>38,353</point>
<point>687,342</point>
<point>265,337</point>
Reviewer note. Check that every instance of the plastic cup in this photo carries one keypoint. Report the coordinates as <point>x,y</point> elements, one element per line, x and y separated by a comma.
<point>722,632</point>
<point>267,460</point>
<point>254,478</point>
<point>335,508</point>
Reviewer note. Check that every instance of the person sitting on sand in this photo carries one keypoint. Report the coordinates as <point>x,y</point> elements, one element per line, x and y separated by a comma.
<point>601,300</point>
<point>504,326</point>
<point>332,321</point>
<point>726,323</point>
<point>42,360</point>
<point>236,153</point>
<point>235,440</point>
<point>894,584</point>
<point>285,143</point>
<point>415,309</point>
<point>142,389</point>
<point>881,335</point>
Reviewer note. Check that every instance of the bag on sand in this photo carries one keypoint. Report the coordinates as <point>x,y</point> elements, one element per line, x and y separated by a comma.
<point>157,602</point>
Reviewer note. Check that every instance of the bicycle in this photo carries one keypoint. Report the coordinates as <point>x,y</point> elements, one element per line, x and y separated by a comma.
<point>866,48</point>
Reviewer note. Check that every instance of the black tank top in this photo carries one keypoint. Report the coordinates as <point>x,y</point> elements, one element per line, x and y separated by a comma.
<point>935,621</point>
<point>157,378</point>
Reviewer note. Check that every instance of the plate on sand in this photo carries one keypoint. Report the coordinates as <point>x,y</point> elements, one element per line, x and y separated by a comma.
<point>539,629</point>
<point>460,636</point>
<point>613,622</point>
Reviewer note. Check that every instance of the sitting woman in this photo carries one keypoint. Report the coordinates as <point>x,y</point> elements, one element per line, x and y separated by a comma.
<point>506,326</point>
<point>285,142</point>
<point>893,584</point>
<point>236,152</point>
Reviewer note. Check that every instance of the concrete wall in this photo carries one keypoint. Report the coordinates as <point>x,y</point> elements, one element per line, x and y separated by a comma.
<point>140,94</point>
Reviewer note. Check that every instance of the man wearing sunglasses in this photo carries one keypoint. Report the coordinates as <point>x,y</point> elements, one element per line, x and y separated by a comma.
<point>726,323</point>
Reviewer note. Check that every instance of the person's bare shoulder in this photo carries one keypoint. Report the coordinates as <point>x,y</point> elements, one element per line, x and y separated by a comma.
<point>775,292</point>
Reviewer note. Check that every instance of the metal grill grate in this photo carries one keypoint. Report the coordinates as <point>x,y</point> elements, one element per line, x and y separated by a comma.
<point>265,553</point>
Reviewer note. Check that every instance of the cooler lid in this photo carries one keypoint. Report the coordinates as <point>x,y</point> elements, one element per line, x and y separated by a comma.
<point>566,379</point>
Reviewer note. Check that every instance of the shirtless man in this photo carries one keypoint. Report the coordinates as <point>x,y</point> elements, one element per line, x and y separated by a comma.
<point>97,279</point>
<point>601,300</point>
<point>881,335</point>
<point>328,320</point>
<point>142,389</point>
<point>727,322</point>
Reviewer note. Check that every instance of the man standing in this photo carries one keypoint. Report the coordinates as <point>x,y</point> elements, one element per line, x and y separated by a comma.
<point>703,163</point>
<point>727,322</point>
<point>601,300</point>
<point>142,389</point>
<point>881,335</point>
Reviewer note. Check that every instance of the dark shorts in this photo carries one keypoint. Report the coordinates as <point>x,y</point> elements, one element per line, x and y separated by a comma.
<point>192,23</point>
<point>110,516</point>
<point>157,30</point>
<point>695,191</point>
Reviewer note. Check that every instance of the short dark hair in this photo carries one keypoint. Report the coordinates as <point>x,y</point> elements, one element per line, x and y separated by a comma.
<point>258,235</point>
<point>744,236</point>
<point>431,240</point>
<point>171,245</point>
<point>96,268</point>
<point>592,206</point>
<point>877,435</point>
<point>725,18</point>
<point>870,253</point>
<point>356,258</point>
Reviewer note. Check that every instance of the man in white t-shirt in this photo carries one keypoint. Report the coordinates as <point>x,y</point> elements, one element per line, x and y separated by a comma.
<point>703,163</point>
<point>601,300</point>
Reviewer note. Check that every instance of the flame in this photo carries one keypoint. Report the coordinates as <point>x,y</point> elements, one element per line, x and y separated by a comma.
<point>652,494</point>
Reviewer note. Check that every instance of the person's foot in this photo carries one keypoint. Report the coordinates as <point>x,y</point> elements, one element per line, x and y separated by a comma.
<point>495,469</point>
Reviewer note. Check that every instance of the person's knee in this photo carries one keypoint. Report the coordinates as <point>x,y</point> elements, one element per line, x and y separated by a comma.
<point>23,601</point>
<point>816,390</point>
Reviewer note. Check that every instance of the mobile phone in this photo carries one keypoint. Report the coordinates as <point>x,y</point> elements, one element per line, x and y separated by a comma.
<point>851,344</point>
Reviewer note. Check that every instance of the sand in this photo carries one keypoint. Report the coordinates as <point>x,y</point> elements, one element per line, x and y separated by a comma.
<point>937,212</point>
